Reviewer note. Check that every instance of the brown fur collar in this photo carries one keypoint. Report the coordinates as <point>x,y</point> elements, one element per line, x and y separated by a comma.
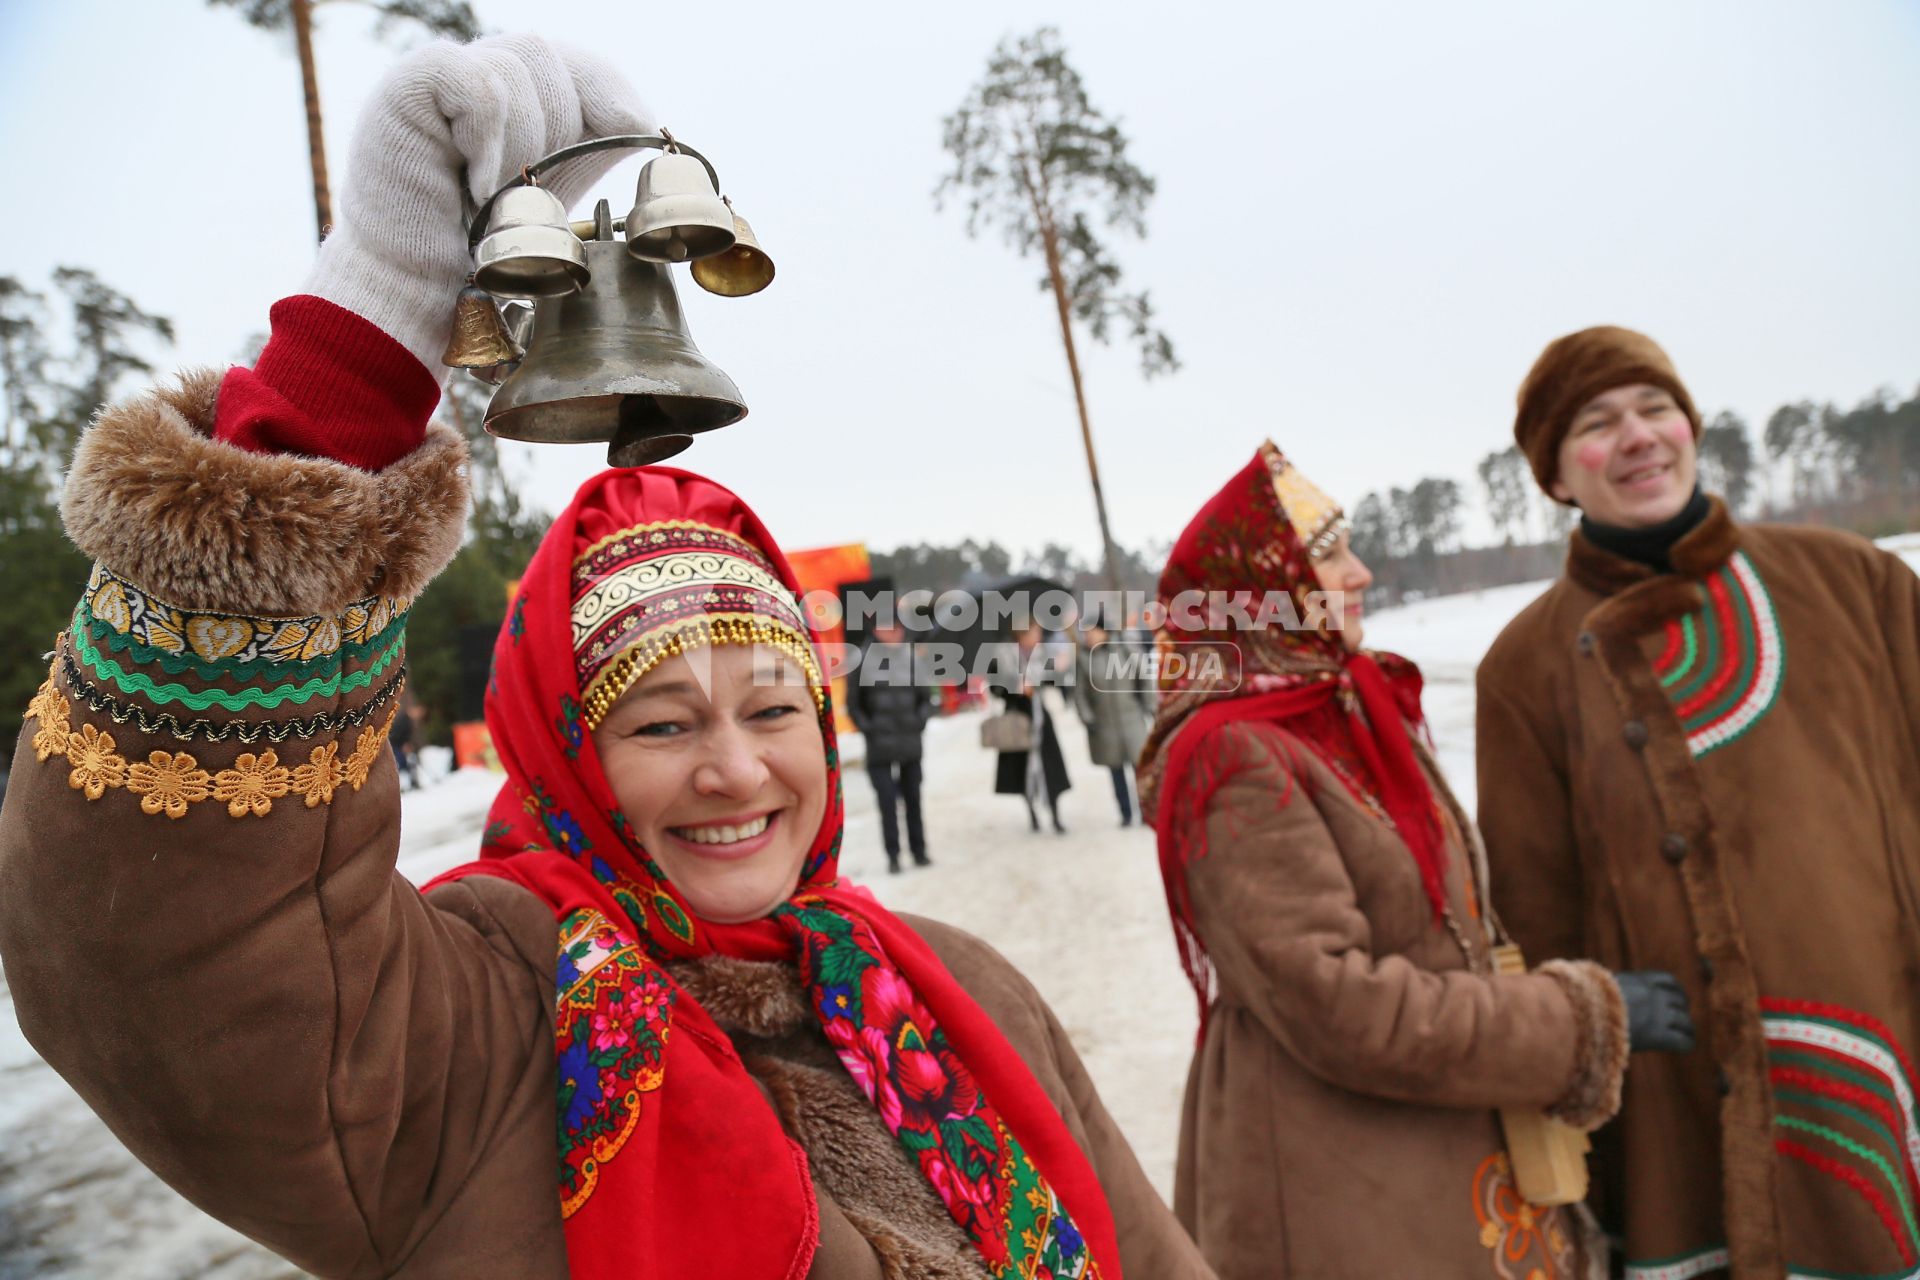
<point>870,1177</point>
<point>208,526</point>
<point>1698,553</point>
<point>1600,1064</point>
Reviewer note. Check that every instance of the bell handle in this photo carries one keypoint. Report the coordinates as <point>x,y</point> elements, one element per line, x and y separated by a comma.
<point>477,223</point>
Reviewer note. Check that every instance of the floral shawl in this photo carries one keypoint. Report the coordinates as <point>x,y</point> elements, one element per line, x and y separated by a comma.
<point>671,1161</point>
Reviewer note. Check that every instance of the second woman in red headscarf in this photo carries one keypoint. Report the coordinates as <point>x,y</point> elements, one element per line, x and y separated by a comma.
<point>1328,901</point>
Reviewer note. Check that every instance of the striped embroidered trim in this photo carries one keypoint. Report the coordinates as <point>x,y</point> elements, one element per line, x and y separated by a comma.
<point>138,684</point>
<point>171,782</point>
<point>179,664</point>
<point>1683,1267</point>
<point>248,731</point>
<point>223,637</point>
<point>1846,1091</point>
<point>1723,665</point>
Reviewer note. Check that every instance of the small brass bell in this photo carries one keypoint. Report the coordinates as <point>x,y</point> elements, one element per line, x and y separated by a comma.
<point>739,271</point>
<point>479,339</point>
<point>677,215</point>
<point>529,250</point>
<point>615,362</point>
<point>518,320</point>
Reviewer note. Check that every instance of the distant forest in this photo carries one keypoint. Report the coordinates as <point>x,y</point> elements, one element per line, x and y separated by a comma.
<point>1855,468</point>
<point>75,342</point>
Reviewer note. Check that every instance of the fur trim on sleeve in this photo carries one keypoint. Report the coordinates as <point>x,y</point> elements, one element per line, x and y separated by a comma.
<point>1600,1061</point>
<point>206,525</point>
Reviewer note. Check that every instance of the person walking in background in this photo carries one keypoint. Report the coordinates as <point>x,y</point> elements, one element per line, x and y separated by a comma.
<point>1699,751</point>
<point>1038,773</point>
<point>891,709</point>
<point>406,755</point>
<point>1115,702</point>
<point>1329,906</point>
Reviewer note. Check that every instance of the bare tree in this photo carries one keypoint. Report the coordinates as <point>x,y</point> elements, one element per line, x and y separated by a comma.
<point>441,17</point>
<point>1039,162</point>
<point>1790,432</point>
<point>1726,459</point>
<point>1509,486</point>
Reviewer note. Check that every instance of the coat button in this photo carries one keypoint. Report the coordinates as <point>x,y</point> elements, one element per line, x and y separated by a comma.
<point>1706,969</point>
<point>1673,846</point>
<point>1585,643</point>
<point>1635,732</point>
<point>1726,1083</point>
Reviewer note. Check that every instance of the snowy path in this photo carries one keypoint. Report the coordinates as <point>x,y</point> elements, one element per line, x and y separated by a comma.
<point>1080,914</point>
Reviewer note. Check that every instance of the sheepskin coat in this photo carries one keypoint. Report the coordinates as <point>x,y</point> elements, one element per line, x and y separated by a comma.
<point>1716,771</point>
<point>204,932</point>
<point>1339,1120</point>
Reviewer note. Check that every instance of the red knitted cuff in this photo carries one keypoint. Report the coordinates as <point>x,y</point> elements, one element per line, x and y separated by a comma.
<point>330,384</point>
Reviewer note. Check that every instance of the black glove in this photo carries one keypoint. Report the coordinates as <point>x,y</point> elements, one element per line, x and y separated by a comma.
<point>1657,1016</point>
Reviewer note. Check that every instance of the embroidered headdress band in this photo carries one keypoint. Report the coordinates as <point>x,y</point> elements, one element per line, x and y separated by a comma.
<point>1317,519</point>
<point>644,594</point>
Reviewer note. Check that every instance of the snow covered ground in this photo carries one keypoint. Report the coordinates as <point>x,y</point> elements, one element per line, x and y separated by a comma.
<point>1080,914</point>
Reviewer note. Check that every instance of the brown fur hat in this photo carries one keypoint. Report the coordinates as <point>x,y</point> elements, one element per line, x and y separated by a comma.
<point>1575,369</point>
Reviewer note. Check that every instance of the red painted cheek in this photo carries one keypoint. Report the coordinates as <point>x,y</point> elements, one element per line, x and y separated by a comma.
<point>1591,457</point>
<point>1676,433</point>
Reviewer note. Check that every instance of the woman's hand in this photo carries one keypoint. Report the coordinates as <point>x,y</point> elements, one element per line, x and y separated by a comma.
<point>398,255</point>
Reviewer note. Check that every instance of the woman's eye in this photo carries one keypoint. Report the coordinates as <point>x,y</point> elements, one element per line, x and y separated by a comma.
<point>776,711</point>
<point>658,729</point>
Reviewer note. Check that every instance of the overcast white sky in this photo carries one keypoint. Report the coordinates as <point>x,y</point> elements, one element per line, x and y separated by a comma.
<point>1370,219</point>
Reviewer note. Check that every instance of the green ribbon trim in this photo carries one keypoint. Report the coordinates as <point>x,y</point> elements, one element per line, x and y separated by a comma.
<point>1685,664</point>
<point>177,664</point>
<point>238,700</point>
<point>1874,1158</point>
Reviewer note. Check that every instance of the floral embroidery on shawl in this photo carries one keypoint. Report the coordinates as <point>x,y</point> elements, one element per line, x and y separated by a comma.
<point>612,1009</point>
<point>926,1097</point>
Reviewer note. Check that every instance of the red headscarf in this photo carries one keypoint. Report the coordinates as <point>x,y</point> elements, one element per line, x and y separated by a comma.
<point>672,1162</point>
<point>1354,710</point>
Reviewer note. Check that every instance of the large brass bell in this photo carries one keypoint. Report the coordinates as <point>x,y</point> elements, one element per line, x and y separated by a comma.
<point>677,215</point>
<point>529,250</point>
<point>739,271</point>
<point>615,362</point>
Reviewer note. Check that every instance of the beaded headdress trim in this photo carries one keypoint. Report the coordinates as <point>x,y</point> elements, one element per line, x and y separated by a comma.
<point>1318,521</point>
<point>650,592</point>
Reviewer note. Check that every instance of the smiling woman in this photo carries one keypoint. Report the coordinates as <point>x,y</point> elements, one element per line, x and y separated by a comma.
<point>650,1032</point>
<point>673,799</point>
<point>716,758</point>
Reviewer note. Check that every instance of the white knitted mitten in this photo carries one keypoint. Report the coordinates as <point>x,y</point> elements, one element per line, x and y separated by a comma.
<point>398,253</point>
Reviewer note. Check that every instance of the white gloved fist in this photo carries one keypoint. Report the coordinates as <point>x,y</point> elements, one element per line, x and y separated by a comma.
<point>398,253</point>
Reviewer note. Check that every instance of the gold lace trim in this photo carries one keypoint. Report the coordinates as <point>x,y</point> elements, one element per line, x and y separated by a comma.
<point>171,782</point>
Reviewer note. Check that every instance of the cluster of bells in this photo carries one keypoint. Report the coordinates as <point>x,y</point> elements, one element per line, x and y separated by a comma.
<point>592,345</point>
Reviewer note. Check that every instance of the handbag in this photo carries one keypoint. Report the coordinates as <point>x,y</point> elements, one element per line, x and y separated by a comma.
<point>1007,731</point>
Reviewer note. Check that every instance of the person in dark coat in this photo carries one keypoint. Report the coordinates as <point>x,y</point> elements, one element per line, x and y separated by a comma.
<point>1017,773</point>
<point>891,711</point>
<point>1116,704</point>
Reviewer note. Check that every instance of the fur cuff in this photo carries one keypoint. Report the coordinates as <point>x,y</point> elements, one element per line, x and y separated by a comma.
<point>1600,1061</point>
<point>205,525</point>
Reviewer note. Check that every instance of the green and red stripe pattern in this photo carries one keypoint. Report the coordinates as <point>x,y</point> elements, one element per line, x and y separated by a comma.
<point>1722,666</point>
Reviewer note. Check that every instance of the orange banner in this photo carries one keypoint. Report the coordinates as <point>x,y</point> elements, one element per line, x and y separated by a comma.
<point>825,569</point>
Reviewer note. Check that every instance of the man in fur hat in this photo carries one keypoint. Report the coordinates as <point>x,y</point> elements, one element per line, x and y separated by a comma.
<point>1699,751</point>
